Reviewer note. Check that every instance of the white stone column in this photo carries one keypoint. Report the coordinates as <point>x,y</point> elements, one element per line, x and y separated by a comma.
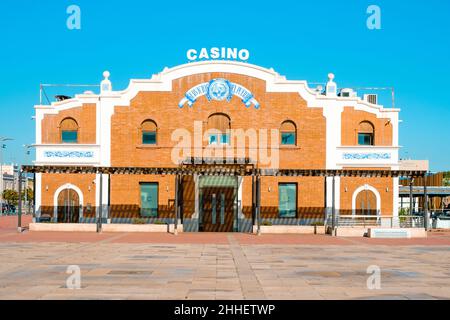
<point>38,196</point>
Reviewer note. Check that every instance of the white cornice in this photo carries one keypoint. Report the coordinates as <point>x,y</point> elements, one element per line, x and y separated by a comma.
<point>274,83</point>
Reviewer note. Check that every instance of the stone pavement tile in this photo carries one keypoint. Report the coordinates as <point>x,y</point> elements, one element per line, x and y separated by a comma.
<point>435,292</point>
<point>284,296</point>
<point>201,296</point>
<point>142,297</point>
<point>362,294</point>
<point>83,296</point>
<point>177,271</point>
<point>229,297</point>
<point>332,293</point>
<point>419,296</point>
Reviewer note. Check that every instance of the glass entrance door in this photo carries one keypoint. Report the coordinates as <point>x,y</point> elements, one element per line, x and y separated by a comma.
<point>217,204</point>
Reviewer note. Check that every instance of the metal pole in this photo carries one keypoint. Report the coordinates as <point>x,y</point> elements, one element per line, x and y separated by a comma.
<point>258,204</point>
<point>100,213</point>
<point>26,192</point>
<point>325,204</point>
<point>411,206</point>
<point>176,205</point>
<point>253,200</point>
<point>425,204</point>
<point>19,213</point>
<point>1,176</point>
<point>34,197</point>
<point>333,207</point>
<point>109,200</point>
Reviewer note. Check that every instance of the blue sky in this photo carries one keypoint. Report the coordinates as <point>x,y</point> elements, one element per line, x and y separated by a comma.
<point>300,39</point>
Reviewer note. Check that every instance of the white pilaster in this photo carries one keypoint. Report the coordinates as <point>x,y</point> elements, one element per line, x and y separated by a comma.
<point>395,197</point>
<point>38,195</point>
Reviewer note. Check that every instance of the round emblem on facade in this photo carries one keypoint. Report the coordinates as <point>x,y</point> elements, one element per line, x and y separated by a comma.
<point>219,89</point>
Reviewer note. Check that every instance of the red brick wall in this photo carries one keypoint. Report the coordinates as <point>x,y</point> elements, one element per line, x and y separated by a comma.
<point>351,119</point>
<point>53,181</point>
<point>85,116</point>
<point>162,107</point>
<point>383,185</point>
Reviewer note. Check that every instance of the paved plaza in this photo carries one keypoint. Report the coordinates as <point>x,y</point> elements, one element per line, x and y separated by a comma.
<point>220,266</point>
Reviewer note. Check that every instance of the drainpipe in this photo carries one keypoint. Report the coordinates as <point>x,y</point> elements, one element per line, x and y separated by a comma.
<point>176,205</point>
<point>425,204</point>
<point>19,214</point>
<point>258,204</point>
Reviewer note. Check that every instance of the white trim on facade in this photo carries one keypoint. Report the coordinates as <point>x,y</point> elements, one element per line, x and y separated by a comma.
<point>56,195</point>
<point>37,196</point>
<point>108,100</point>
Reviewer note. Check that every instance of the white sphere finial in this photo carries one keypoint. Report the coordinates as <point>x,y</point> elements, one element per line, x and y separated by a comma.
<point>106,74</point>
<point>331,76</point>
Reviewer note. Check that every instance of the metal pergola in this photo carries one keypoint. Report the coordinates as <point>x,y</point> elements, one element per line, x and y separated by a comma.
<point>225,167</point>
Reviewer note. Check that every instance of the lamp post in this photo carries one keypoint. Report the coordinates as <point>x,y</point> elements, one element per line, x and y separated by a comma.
<point>2,146</point>
<point>27,153</point>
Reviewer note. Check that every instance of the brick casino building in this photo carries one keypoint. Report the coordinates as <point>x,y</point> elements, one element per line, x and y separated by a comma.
<point>141,126</point>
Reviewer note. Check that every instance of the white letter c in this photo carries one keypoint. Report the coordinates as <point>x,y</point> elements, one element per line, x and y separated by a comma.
<point>191,54</point>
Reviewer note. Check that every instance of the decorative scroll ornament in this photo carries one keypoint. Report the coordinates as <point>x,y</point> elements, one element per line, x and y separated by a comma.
<point>219,90</point>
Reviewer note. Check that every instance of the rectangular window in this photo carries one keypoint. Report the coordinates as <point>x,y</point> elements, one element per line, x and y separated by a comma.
<point>149,199</point>
<point>288,138</point>
<point>69,136</point>
<point>222,138</point>
<point>149,137</point>
<point>287,203</point>
<point>225,138</point>
<point>365,139</point>
<point>212,139</point>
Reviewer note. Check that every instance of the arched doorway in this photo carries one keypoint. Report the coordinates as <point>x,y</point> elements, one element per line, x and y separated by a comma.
<point>366,203</point>
<point>68,206</point>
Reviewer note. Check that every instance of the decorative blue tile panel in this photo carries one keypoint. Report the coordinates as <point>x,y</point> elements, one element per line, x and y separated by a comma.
<point>367,156</point>
<point>69,154</point>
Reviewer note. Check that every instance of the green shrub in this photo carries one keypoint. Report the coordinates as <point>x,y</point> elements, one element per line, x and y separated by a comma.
<point>139,221</point>
<point>159,222</point>
<point>266,223</point>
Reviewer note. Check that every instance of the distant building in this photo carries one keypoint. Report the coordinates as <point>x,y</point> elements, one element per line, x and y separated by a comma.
<point>423,165</point>
<point>11,178</point>
<point>413,190</point>
<point>10,169</point>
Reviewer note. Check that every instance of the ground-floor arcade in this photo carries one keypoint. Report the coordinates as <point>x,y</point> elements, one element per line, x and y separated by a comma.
<point>217,198</point>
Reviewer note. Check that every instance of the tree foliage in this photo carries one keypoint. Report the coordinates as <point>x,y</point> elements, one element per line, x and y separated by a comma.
<point>11,196</point>
<point>447,178</point>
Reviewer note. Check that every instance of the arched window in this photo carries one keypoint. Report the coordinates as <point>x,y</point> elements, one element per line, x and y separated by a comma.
<point>366,134</point>
<point>69,131</point>
<point>148,131</point>
<point>288,133</point>
<point>220,124</point>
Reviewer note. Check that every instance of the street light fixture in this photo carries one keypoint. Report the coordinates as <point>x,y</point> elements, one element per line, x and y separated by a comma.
<point>2,146</point>
<point>27,153</point>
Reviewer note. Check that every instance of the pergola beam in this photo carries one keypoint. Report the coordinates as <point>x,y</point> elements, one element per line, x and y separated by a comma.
<point>223,170</point>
